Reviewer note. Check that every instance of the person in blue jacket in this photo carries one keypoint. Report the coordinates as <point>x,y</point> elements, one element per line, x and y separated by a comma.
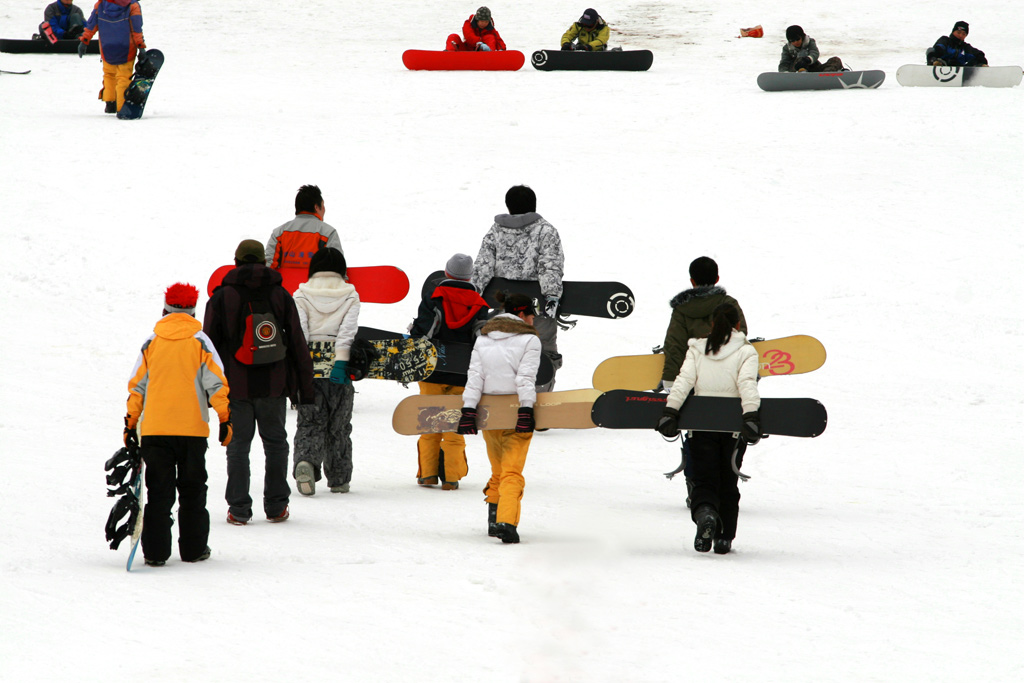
<point>119,23</point>
<point>65,18</point>
<point>951,50</point>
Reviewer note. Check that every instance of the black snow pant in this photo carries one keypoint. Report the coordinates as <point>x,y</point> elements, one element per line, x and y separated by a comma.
<point>323,436</point>
<point>547,330</point>
<point>175,462</point>
<point>714,482</point>
<point>269,415</point>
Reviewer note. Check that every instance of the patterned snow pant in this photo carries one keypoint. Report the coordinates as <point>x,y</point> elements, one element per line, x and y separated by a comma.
<point>714,482</point>
<point>175,463</point>
<point>453,444</point>
<point>323,437</point>
<point>547,330</point>
<point>268,414</point>
<point>506,449</point>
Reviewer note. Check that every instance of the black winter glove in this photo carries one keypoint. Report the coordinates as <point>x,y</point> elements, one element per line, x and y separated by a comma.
<point>141,54</point>
<point>668,425</point>
<point>82,47</point>
<point>225,433</point>
<point>525,423</point>
<point>131,436</point>
<point>566,46</point>
<point>751,431</point>
<point>467,423</point>
<point>583,47</point>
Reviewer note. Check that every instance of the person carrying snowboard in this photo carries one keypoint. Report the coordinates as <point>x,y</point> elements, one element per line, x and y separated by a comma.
<point>66,19</point>
<point>293,244</point>
<point>328,312</point>
<point>177,376</point>
<point>453,313</point>
<point>951,50</point>
<point>251,307</point>
<point>505,360</point>
<point>478,33</point>
<point>521,245</point>
<point>119,23</point>
<point>723,364</point>
<point>691,319</point>
<point>800,53</point>
<point>590,33</point>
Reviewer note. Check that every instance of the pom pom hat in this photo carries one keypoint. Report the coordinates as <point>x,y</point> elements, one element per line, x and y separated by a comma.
<point>181,297</point>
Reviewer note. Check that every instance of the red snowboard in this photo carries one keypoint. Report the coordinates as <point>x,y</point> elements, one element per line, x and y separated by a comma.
<point>446,60</point>
<point>375,284</point>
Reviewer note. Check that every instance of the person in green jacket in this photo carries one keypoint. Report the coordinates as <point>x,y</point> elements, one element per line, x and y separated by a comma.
<point>590,33</point>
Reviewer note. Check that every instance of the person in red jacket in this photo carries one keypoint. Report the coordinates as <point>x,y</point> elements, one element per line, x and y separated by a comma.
<point>478,34</point>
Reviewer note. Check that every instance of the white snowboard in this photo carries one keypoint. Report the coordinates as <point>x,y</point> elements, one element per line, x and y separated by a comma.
<point>957,76</point>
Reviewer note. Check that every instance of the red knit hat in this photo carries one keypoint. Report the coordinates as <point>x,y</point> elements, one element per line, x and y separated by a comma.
<point>181,297</point>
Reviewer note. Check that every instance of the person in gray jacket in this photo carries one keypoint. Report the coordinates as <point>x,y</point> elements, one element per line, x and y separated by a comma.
<point>521,245</point>
<point>800,53</point>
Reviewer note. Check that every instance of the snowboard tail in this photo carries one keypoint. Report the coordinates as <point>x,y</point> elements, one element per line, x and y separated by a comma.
<point>435,414</point>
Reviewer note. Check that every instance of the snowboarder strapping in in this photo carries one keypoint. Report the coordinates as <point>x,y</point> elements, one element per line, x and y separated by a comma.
<point>590,33</point>
<point>454,312</point>
<point>478,33</point>
<point>119,23</point>
<point>724,364</point>
<point>65,19</point>
<point>505,360</point>
<point>800,53</point>
<point>951,50</point>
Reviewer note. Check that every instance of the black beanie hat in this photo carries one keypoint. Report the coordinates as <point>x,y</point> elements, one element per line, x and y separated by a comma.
<point>328,260</point>
<point>961,25</point>
<point>520,199</point>
<point>794,32</point>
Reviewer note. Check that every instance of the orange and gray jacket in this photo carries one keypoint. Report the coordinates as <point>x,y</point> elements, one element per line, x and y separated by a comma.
<point>178,374</point>
<point>293,244</point>
<point>120,25</point>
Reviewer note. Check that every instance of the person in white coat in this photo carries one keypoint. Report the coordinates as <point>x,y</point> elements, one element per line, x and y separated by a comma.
<point>505,360</point>
<point>723,364</point>
<point>329,312</point>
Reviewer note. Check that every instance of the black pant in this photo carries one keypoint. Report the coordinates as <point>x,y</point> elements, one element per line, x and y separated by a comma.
<point>269,415</point>
<point>175,462</point>
<point>714,482</point>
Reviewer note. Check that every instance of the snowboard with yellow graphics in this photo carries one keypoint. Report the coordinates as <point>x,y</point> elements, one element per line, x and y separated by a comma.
<point>434,414</point>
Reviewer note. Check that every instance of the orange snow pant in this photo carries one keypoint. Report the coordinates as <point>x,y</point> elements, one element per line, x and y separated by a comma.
<point>506,449</point>
<point>453,444</point>
<point>116,78</point>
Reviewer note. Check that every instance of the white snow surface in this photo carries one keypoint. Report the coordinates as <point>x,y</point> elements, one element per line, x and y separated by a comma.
<point>886,223</point>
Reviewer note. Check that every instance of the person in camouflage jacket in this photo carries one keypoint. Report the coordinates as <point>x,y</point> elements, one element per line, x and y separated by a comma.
<point>800,53</point>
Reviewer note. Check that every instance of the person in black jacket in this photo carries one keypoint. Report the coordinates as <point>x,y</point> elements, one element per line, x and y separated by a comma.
<point>453,313</point>
<point>259,392</point>
<point>951,50</point>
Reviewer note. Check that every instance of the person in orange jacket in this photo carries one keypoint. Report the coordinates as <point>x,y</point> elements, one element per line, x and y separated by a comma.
<point>119,23</point>
<point>170,416</point>
<point>478,34</point>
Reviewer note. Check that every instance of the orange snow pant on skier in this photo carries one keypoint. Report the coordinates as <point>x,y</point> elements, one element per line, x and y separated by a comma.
<point>453,444</point>
<point>506,449</point>
<point>116,78</point>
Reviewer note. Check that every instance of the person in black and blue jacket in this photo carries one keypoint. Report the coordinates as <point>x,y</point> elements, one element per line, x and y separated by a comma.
<point>65,18</point>
<point>952,50</point>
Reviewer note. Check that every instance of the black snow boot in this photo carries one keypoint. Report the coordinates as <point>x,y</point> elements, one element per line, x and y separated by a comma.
<point>507,532</point>
<point>492,519</point>
<point>111,108</point>
<point>707,526</point>
<point>722,546</point>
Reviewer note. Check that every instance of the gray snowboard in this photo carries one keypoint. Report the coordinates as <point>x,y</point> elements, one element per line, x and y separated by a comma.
<point>806,80</point>
<point>956,76</point>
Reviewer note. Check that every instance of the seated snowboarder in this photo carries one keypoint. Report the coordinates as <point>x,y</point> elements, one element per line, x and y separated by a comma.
<point>65,19</point>
<point>800,53</point>
<point>478,34</point>
<point>951,50</point>
<point>590,33</point>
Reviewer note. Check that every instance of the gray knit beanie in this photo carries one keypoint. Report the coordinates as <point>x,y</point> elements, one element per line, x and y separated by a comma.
<point>459,267</point>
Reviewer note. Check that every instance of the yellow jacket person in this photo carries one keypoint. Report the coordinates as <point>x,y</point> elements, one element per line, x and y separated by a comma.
<point>590,33</point>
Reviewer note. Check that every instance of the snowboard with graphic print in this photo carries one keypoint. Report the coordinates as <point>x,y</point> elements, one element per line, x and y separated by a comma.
<point>434,414</point>
<point>137,93</point>
<point>919,75</point>
<point>775,81</point>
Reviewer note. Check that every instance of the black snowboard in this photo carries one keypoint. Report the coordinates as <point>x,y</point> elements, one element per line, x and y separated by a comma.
<point>608,60</point>
<point>62,46</point>
<point>453,357</point>
<point>137,93</point>
<point>642,410</point>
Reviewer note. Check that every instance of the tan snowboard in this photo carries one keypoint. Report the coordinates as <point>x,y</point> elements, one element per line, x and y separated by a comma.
<point>426,414</point>
<point>785,356</point>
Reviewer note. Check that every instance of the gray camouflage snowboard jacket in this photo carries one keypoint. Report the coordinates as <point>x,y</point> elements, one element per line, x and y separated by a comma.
<point>790,54</point>
<point>521,246</point>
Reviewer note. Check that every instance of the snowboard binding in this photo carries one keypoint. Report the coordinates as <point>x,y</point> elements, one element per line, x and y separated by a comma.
<point>124,480</point>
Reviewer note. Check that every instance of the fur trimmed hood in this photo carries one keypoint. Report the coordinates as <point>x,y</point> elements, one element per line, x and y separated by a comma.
<point>700,292</point>
<point>507,325</point>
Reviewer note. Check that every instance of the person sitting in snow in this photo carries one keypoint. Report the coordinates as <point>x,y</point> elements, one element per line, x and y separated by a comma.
<point>590,33</point>
<point>800,53</point>
<point>65,19</point>
<point>951,50</point>
<point>478,34</point>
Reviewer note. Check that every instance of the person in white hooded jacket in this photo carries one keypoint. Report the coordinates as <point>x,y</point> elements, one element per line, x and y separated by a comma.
<point>723,364</point>
<point>329,312</point>
<point>505,360</point>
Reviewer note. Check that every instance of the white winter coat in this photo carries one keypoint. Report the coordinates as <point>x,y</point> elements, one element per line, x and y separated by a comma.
<point>505,360</point>
<point>329,311</point>
<point>730,372</point>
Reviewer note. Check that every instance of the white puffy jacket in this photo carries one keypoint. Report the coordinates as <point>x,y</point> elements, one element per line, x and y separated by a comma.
<point>505,360</point>
<point>730,372</point>
<point>329,311</point>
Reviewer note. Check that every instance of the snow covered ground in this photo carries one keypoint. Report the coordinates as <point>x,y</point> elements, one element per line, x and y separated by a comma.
<point>886,223</point>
